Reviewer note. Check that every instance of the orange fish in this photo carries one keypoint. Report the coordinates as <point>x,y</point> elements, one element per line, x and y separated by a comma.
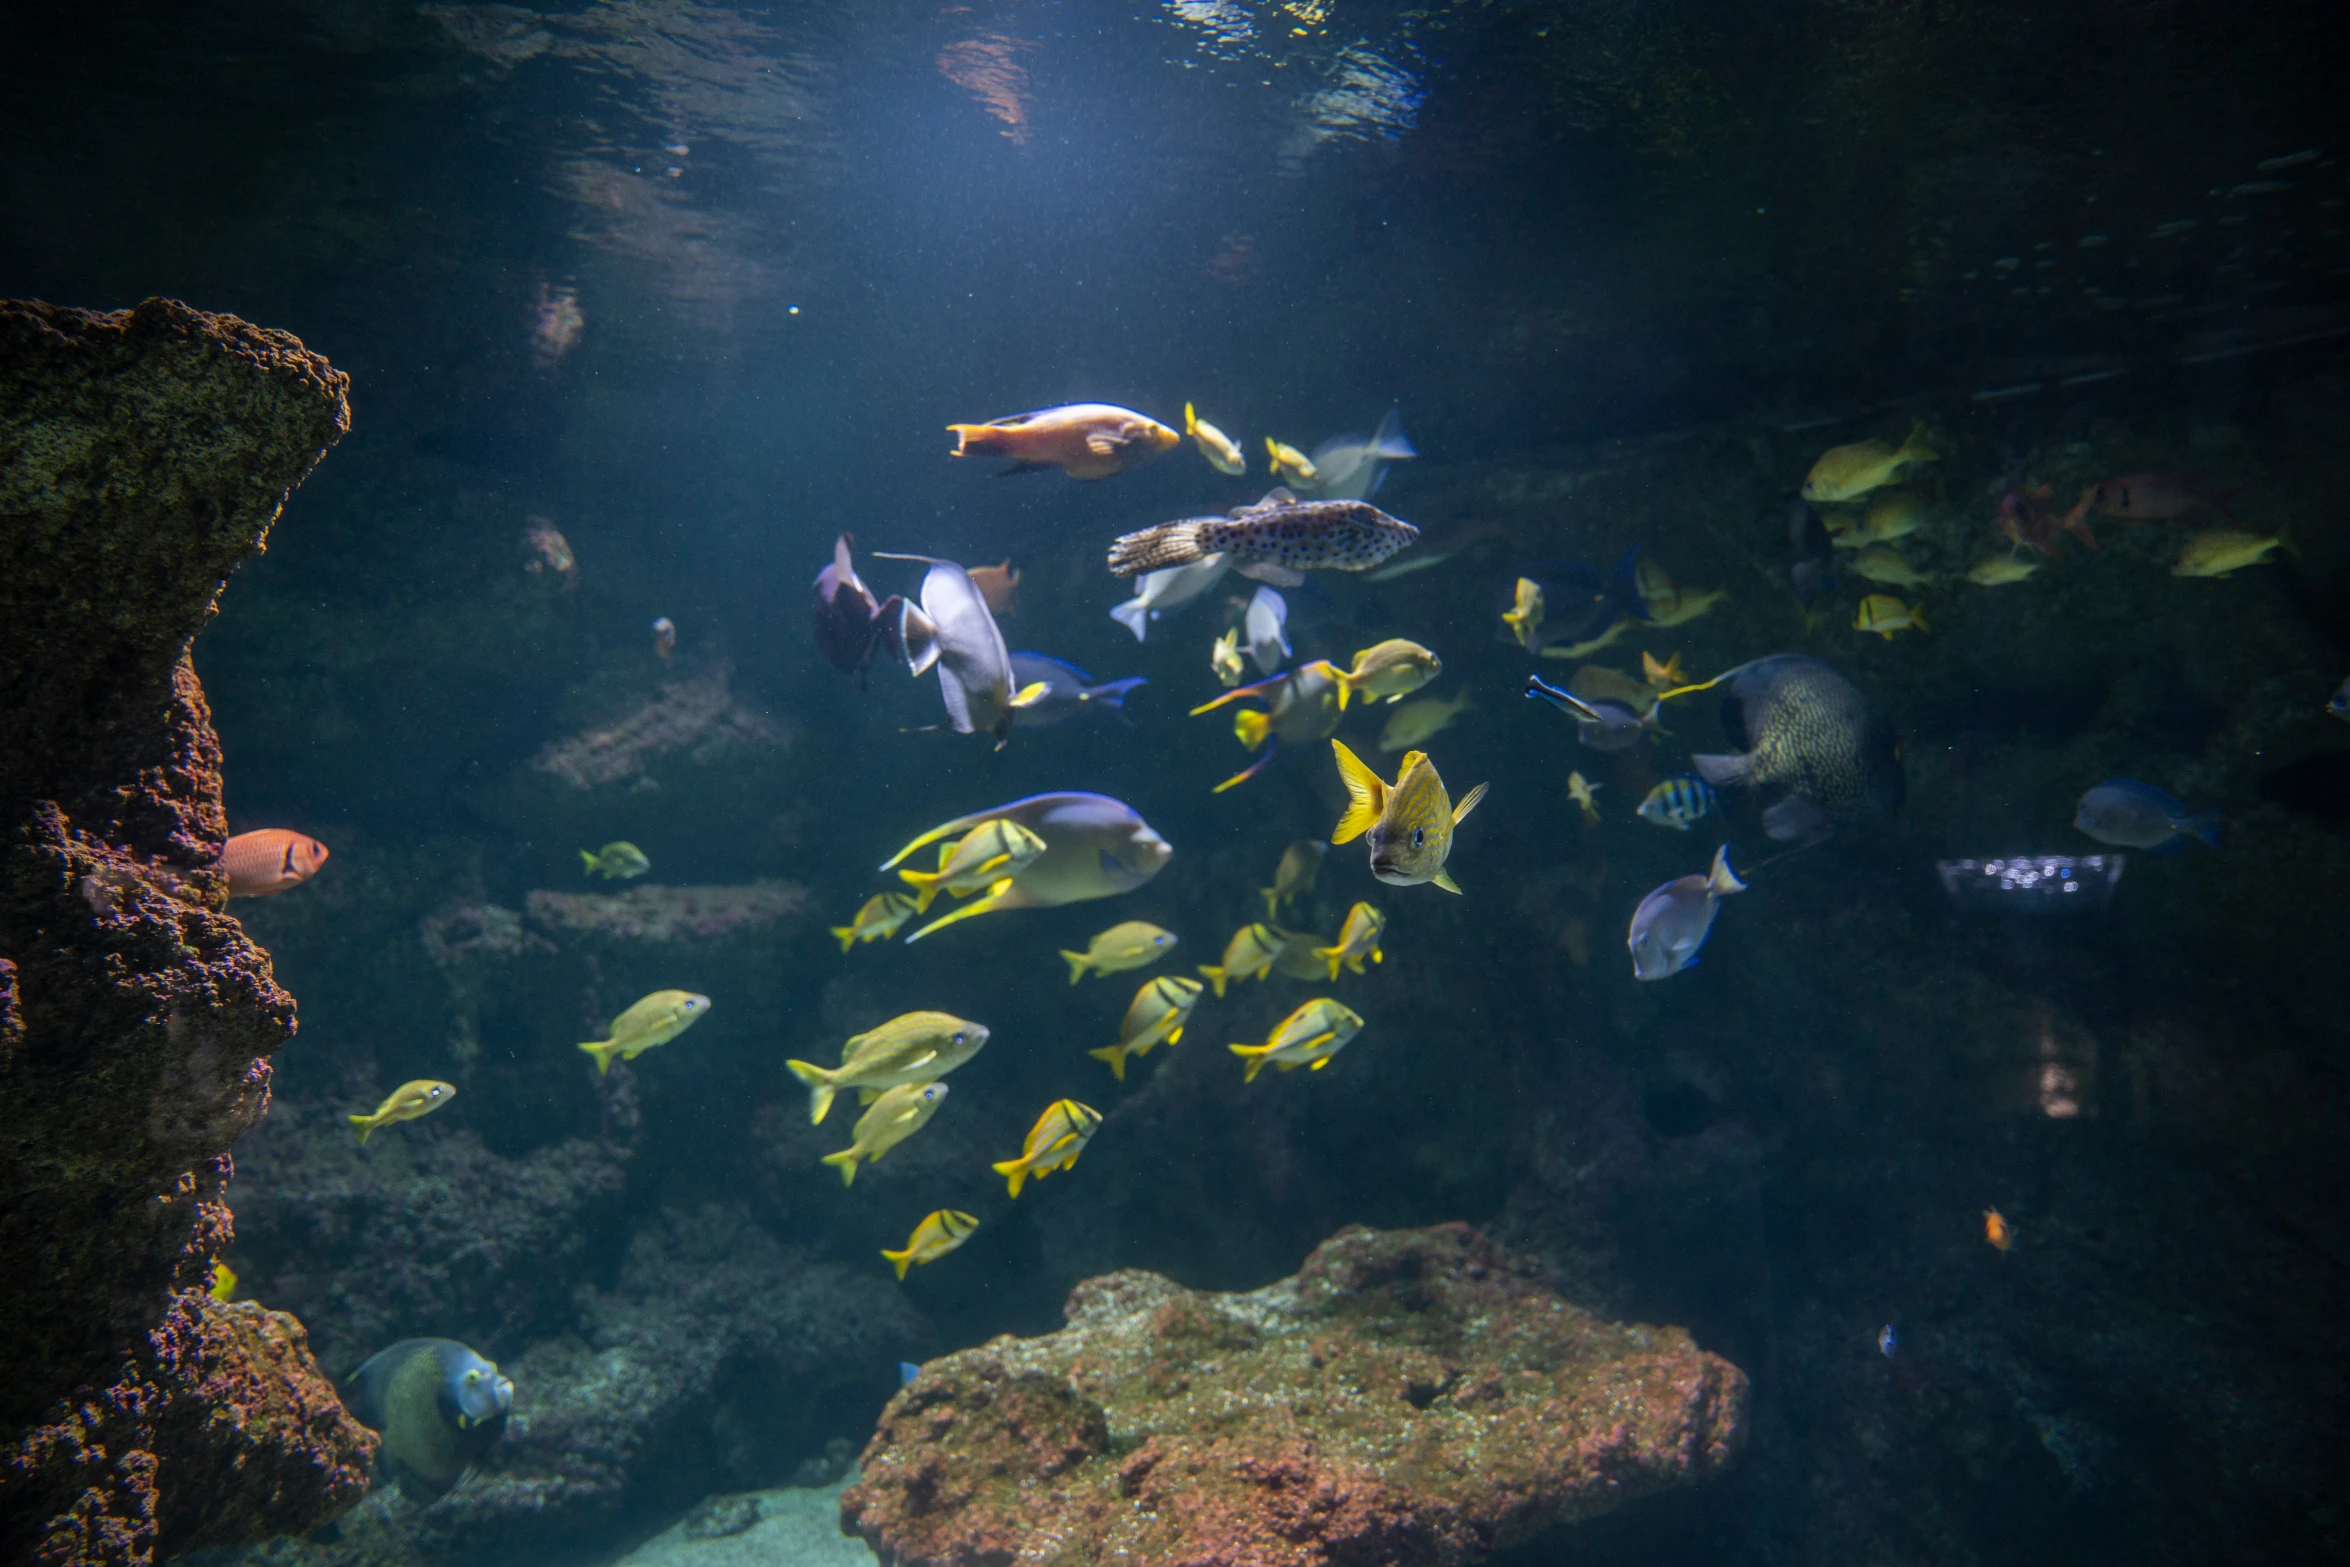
<point>999,585</point>
<point>271,860</point>
<point>1083,440</point>
<point>1997,1230</point>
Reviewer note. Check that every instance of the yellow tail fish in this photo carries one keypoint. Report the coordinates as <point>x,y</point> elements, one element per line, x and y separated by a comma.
<point>1409,824</point>
<point>1054,1142</point>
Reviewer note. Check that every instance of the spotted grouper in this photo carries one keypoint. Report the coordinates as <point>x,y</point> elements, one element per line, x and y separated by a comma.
<point>1805,730</point>
<point>1278,531</point>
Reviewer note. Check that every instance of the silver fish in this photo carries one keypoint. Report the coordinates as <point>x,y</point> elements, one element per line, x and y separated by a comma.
<point>1280,531</point>
<point>1267,630</point>
<point>953,630</point>
<point>1350,468</point>
<point>1164,592</point>
<point>1603,723</point>
<point>1672,922</point>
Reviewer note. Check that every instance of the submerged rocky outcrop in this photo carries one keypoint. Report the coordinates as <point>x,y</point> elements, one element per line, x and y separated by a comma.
<point>1410,1396</point>
<point>143,454</point>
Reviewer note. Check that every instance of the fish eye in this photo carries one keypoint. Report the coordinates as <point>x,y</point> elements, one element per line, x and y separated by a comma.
<point>958,1036</point>
<point>471,1377</point>
<point>1419,837</point>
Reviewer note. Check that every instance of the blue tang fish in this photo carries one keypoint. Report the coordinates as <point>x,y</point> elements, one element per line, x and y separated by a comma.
<point>1069,692</point>
<point>1672,922</point>
<point>2137,815</point>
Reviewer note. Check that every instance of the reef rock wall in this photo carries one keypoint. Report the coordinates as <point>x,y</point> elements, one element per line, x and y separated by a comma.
<point>143,454</point>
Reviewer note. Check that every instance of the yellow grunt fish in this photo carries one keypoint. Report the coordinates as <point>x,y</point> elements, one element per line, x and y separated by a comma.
<point>1409,825</point>
<point>937,1234</point>
<point>1524,616</point>
<point>1415,723</point>
<point>881,916</point>
<point>1357,939</point>
<point>2221,550</point>
<point>1308,1037</point>
<point>898,1114</point>
<point>1217,447</point>
<point>404,1103</point>
<point>1580,790</point>
<point>984,859</point>
<point>1290,463</point>
<point>654,1020</point>
<point>1892,514</point>
<point>1881,563</point>
<point>1388,672</point>
<point>1155,1017</point>
<point>1247,955</point>
<point>616,862</point>
<point>1300,863</point>
<point>913,1047</point>
<point>1297,958</point>
<point>1884,614</point>
<point>1054,1142</point>
<point>1132,944</point>
<point>1994,570</point>
<point>1846,473</point>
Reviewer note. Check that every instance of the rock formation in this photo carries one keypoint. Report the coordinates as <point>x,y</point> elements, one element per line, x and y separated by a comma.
<point>143,454</point>
<point>1409,1397</point>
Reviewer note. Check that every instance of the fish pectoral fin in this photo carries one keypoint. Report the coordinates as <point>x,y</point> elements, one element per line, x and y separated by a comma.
<point>1103,444</point>
<point>1318,1065</point>
<point>1034,692</point>
<point>1468,803</point>
<point>1444,879</point>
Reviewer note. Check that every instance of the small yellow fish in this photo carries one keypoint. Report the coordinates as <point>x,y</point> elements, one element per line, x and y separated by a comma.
<point>1580,789</point>
<point>1290,463</point>
<point>881,916</point>
<point>913,1047</point>
<point>224,1281</point>
<point>985,858</point>
<point>1300,863</point>
<point>1415,723</point>
<point>937,1234</point>
<point>1664,676</point>
<point>1247,955</point>
<point>654,1020</point>
<point>1054,1142</point>
<point>1881,563</point>
<point>2221,550</point>
<point>1308,1037</point>
<point>404,1103</point>
<point>1133,944</point>
<point>898,1114</point>
<point>1846,473</point>
<point>1884,614</point>
<point>1409,825</point>
<point>1524,616</point>
<point>1213,444</point>
<point>1389,671</point>
<point>1357,939</point>
<point>1993,570</point>
<point>1892,514</point>
<point>1674,607</point>
<point>616,862</point>
<point>1154,1017</point>
<point>1224,658</point>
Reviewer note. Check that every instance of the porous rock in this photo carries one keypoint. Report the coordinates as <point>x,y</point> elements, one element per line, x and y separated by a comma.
<point>1411,1398</point>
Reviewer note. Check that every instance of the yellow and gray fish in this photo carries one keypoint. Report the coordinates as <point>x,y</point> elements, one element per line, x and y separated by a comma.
<point>1154,1017</point>
<point>1279,531</point>
<point>1129,945</point>
<point>1408,825</point>
<point>1884,614</point>
<point>1524,616</point>
<point>438,1407</point>
<point>1094,847</point>
<point>1287,462</point>
<point>987,858</point>
<point>1679,802</point>
<point>1388,671</point>
<point>898,1114</point>
<point>1664,676</point>
<point>654,1020</point>
<point>1882,563</point>
<point>616,862</point>
<point>1995,570</point>
<point>1294,877</point>
<point>1892,514</point>
<point>1846,473</point>
<point>1358,939</point>
<point>405,1103</point>
<point>1301,707</point>
<point>2219,551</point>
<point>881,916</point>
<point>1247,955</point>
<point>1352,467</point>
<point>1213,444</point>
<point>1672,922</point>
<point>1308,1037</point>
<point>1224,658</point>
<point>913,1047</point>
<point>1809,733</point>
<point>1580,790</point>
<point>223,1285</point>
<point>1054,1142</point>
<point>1299,956</point>
<point>937,1234</point>
<point>1416,723</point>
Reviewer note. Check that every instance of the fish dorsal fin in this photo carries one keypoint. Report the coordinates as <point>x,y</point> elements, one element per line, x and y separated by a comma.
<point>1469,803</point>
<point>1279,495</point>
<point>1367,796</point>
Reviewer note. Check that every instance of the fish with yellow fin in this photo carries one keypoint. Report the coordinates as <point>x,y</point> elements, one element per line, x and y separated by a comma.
<point>223,1285</point>
<point>404,1103</point>
<point>1053,1143</point>
<point>1997,1230</point>
<point>1299,957</point>
<point>1308,1037</point>
<point>1129,945</point>
<point>1885,564</point>
<point>1248,955</point>
<point>1388,672</point>
<point>1884,614</point>
<point>1301,707</point>
<point>2219,551</point>
<point>1083,440</point>
<point>986,858</point>
<point>1224,658</point>
<point>1408,824</point>
<point>1998,570</point>
<point>619,861</point>
<point>1664,676</point>
<point>1218,448</point>
<point>1524,616</point>
<point>913,1047</point>
<point>1155,1017</point>
<point>1095,847</point>
<point>937,1234</point>
<point>1290,463</point>
<point>1358,939</point>
<point>1891,514</point>
<point>1846,473</point>
<point>880,918</point>
<point>1580,790</point>
<point>898,1114</point>
<point>1294,877</point>
<point>1416,723</point>
<point>652,1020</point>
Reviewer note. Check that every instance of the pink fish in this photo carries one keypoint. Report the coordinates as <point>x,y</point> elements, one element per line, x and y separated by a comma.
<point>269,861</point>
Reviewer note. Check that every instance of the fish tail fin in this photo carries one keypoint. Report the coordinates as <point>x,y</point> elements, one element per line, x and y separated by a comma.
<point>1251,727</point>
<point>366,1123</point>
<point>1917,616</point>
<point>900,1260</point>
<point>818,1082</point>
<point>1468,803</point>
<point>1346,687</point>
<point>1332,956</point>
<point>1366,795</point>
<point>2286,541</point>
<point>847,935</point>
<point>1190,420</point>
<point>1919,447</point>
<point>1014,1172</point>
<point>1115,1055</point>
<point>1250,771</point>
<point>1153,549</point>
<point>976,440</point>
<point>1388,442</point>
<point>2203,827</point>
<point>926,885</point>
<point>588,860</point>
<point>1254,1056</point>
<point>603,1050</point>
<point>1721,881</point>
<point>1077,964</point>
<point>1135,616</point>
<point>1113,693</point>
<point>996,898</point>
<point>1216,977</point>
<point>846,1162</point>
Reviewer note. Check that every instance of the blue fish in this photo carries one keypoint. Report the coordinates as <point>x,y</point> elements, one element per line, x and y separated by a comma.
<point>1888,1341</point>
<point>1672,922</point>
<point>907,1372</point>
<point>1680,802</point>
<point>1069,692</point>
<point>2136,815</point>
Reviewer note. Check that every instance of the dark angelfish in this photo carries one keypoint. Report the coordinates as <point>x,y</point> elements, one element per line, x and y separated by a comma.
<point>848,622</point>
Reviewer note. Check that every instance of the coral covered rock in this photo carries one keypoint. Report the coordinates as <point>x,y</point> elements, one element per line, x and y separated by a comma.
<point>1410,1396</point>
<point>142,455</point>
<point>698,716</point>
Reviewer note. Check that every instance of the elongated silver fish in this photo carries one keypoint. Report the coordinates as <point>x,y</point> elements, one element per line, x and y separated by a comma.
<point>1279,530</point>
